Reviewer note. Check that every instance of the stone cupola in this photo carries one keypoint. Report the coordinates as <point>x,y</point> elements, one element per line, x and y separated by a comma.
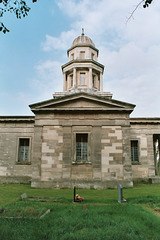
<point>83,71</point>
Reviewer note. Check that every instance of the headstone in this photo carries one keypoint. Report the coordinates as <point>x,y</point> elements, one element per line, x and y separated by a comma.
<point>120,194</point>
<point>23,196</point>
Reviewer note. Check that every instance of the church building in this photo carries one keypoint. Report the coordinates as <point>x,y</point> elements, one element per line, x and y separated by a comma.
<point>82,136</point>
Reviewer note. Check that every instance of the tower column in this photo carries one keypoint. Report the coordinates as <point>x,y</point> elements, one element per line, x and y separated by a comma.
<point>74,77</point>
<point>64,82</point>
<point>90,77</point>
<point>101,82</point>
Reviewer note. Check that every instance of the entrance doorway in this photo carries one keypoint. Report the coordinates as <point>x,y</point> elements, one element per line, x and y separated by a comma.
<point>156,144</point>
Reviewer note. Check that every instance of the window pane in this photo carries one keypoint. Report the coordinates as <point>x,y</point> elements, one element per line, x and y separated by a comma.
<point>81,147</point>
<point>134,151</point>
<point>23,151</point>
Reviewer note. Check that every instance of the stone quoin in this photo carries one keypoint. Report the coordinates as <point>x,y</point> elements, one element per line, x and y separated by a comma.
<point>82,136</point>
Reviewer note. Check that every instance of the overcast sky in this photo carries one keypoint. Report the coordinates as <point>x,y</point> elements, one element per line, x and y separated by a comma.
<point>32,53</point>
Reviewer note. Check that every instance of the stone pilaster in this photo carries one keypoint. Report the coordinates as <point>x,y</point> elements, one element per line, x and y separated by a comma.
<point>67,151</point>
<point>96,152</point>
<point>127,167</point>
<point>37,153</point>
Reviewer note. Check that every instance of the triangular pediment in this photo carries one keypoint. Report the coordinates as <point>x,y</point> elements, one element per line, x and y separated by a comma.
<point>79,102</point>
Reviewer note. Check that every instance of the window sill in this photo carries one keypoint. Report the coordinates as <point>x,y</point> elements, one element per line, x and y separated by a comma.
<point>136,163</point>
<point>81,163</point>
<point>23,163</point>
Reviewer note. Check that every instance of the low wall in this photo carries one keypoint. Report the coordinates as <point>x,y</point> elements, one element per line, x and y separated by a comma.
<point>15,179</point>
<point>80,184</point>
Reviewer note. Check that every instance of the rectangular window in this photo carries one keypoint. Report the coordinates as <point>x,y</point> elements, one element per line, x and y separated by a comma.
<point>72,56</point>
<point>23,150</point>
<point>71,78</point>
<point>92,56</point>
<point>81,147</point>
<point>134,151</point>
<point>82,55</point>
<point>93,81</point>
<point>82,79</point>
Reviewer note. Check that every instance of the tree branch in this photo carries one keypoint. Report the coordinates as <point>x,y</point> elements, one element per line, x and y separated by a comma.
<point>17,7</point>
<point>146,4</point>
<point>137,6</point>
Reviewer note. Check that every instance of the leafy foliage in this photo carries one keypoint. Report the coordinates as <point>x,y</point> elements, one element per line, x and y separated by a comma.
<point>147,2</point>
<point>18,7</point>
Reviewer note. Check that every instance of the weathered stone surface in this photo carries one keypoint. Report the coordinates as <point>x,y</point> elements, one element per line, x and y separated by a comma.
<point>10,132</point>
<point>145,168</point>
<point>81,109</point>
<point>53,152</point>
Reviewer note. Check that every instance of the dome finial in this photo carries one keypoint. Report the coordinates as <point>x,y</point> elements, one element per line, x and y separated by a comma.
<point>82,40</point>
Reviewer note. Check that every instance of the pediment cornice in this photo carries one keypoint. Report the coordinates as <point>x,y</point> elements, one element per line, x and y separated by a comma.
<point>82,102</point>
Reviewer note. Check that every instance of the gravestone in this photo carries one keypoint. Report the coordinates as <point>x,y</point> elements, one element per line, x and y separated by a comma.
<point>120,194</point>
<point>23,196</point>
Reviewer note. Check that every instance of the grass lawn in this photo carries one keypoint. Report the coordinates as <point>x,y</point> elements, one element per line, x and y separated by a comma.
<point>98,217</point>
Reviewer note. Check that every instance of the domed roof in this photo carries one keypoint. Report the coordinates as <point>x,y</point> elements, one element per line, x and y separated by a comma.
<point>82,40</point>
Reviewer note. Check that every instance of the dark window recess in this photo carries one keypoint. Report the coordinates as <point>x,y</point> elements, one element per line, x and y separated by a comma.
<point>134,151</point>
<point>23,151</point>
<point>71,77</point>
<point>81,147</point>
<point>93,80</point>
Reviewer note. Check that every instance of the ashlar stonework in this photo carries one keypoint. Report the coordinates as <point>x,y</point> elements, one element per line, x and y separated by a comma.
<point>82,136</point>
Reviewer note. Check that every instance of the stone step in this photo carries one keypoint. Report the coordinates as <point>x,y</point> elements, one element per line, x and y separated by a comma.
<point>155,179</point>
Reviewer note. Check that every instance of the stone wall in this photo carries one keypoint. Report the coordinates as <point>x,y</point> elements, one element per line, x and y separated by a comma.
<point>10,132</point>
<point>145,168</point>
<point>52,150</point>
<point>112,153</point>
<point>108,162</point>
<point>52,153</point>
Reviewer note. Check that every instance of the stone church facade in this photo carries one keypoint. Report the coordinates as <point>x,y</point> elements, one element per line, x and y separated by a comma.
<point>82,136</point>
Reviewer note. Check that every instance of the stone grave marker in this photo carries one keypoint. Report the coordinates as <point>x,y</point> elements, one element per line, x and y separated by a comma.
<point>23,196</point>
<point>120,194</point>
